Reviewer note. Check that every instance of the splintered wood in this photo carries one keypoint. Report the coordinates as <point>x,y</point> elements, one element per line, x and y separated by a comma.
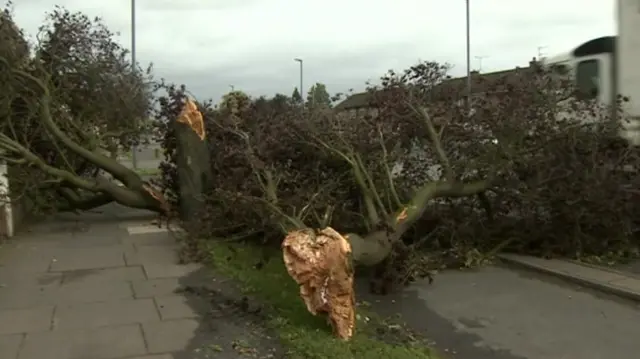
<point>192,117</point>
<point>156,194</point>
<point>320,262</point>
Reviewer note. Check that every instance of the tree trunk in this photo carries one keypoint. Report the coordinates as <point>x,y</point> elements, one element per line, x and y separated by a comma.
<point>194,171</point>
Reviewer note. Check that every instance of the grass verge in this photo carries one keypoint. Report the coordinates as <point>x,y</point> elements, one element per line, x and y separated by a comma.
<point>303,335</point>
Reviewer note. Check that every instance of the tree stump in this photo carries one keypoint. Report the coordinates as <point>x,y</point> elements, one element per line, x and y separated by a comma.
<point>193,165</point>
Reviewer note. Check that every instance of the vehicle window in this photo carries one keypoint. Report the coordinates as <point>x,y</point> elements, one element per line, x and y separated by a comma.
<point>588,79</point>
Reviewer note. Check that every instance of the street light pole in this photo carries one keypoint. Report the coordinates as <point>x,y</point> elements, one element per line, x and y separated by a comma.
<point>134,149</point>
<point>468,58</point>
<point>301,75</point>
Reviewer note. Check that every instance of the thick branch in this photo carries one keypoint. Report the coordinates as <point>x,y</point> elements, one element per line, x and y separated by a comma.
<point>13,146</point>
<point>79,203</point>
<point>419,203</point>
<point>119,171</point>
<point>372,202</point>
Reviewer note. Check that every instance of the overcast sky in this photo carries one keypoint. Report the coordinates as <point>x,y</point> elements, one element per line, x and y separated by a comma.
<point>250,44</point>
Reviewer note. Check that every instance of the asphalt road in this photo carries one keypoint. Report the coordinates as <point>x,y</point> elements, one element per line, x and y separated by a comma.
<point>146,157</point>
<point>500,313</point>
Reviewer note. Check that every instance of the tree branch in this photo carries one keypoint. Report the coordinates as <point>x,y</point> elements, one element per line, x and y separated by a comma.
<point>13,146</point>
<point>435,141</point>
<point>79,203</point>
<point>119,171</point>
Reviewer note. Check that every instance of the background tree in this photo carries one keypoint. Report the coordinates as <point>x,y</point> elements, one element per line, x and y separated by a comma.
<point>296,97</point>
<point>318,97</point>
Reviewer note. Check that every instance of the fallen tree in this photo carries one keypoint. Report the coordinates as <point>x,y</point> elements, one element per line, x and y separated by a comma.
<point>386,227</point>
<point>65,109</point>
<point>416,185</point>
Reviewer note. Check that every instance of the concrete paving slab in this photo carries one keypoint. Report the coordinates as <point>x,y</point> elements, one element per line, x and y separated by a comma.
<point>564,266</point>
<point>156,270</point>
<point>603,279</point>
<point>23,259</point>
<point>151,254</point>
<point>171,336</point>
<point>88,258</point>
<point>179,307</point>
<point>153,239</point>
<point>111,313</point>
<point>72,293</point>
<point>31,320</point>
<point>11,279</point>
<point>137,222</point>
<point>10,345</point>
<point>99,343</point>
<point>74,240</point>
<point>146,229</point>
<point>155,287</point>
<point>631,285</point>
<point>104,275</point>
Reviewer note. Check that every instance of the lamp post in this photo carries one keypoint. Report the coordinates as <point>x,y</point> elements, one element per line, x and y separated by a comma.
<point>301,71</point>
<point>134,149</point>
<point>468,59</point>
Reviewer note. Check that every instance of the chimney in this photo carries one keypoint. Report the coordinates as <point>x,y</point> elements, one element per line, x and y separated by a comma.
<point>535,64</point>
<point>474,72</point>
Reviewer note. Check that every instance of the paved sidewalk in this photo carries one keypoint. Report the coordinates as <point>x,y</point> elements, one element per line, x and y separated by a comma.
<point>625,284</point>
<point>107,288</point>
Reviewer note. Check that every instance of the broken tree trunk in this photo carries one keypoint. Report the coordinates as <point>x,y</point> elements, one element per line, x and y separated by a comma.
<point>322,261</point>
<point>193,164</point>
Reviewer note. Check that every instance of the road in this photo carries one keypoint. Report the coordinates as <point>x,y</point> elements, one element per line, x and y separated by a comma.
<point>148,157</point>
<point>501,313</point>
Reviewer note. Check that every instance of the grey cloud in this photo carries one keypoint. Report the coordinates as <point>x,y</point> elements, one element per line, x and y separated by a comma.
<point>209,45</point>
<point>191,5</point>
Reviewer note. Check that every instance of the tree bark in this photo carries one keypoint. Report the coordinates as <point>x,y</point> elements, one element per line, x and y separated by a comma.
<point>194,172</point>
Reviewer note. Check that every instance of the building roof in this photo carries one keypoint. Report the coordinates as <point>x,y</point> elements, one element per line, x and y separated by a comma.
<point>479,84</point>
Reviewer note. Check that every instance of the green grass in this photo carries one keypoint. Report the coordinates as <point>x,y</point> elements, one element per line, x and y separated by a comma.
<point>306,336</point>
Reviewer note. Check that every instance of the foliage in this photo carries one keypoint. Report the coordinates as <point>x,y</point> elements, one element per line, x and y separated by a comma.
<point>524,172</point>
<point>296,97</point>
<point>318,97</point>
<point>66,102</point>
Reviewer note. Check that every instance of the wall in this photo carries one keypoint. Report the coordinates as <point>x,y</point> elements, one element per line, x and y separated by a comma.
<point>6,210</point>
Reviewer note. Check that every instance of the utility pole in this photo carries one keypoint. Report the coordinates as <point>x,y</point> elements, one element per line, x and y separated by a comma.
<point>468,58</point>
<point>134,148</point>
<point>301,75</point>
<point>479,58</point>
